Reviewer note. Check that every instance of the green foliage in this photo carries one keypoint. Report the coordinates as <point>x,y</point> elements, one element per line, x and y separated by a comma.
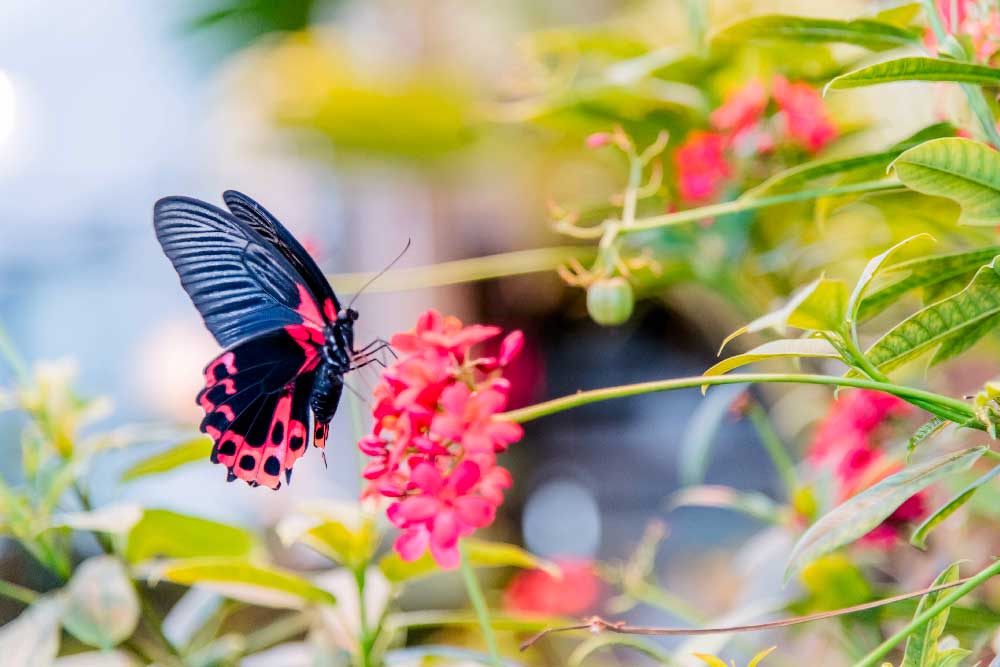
<point>919,536</point>
<point>867,33</point>
<point>917,69</point>
<point>172,535</point>
<point>819,306</point>
<point>101,607</point>
<point>961,169</point>
<point>188,451</point>
<point>861,513</point>
<point>922,646</point>
<point>789,348</point>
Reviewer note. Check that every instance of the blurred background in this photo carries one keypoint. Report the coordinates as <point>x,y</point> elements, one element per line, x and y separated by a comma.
<point>361,124</point>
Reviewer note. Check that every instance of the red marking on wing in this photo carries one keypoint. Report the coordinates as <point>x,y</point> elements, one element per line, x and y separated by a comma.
<point>307,306</point>
<point>321,433</point>
<point>330,310</point>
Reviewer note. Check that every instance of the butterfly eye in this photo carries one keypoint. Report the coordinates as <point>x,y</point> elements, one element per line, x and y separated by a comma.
<point>348,315</point>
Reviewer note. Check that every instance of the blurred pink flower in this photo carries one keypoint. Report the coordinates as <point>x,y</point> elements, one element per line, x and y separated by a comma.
<point>701,165</point>
<point>742,109</point>
<point>953,14</point>
<point>538,592</point>
<point>598,139</point>
<point>436,434</point>
<point>805,117</point>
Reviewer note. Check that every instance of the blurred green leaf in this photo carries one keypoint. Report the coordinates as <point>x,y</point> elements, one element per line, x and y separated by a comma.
<point>817,348</point>
<point>32,639</point>
<point>102,608</point>
<point>587,648</point>
<point>927,430</point>
<point>833,582</point>
<point>917,69</point>
<point>950,326</point>
<point>481,553</point>
<point>241,580</point>
<point>874,35</point>
<point>861,513</point>
<point>166,533</point>
<point>798,176</point>
<point>350,541</point>
<point>701,430</point>
<point>926,272</point>
<point>819,306</point>
<point>750,503</point>
<point>116,519</point>
<point>919,536</point>
<point>922,645</point>
<point>963,170</point>
<point>188,451</point>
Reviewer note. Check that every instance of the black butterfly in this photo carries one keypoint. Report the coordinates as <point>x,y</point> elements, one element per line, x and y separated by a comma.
<point>288,341</point>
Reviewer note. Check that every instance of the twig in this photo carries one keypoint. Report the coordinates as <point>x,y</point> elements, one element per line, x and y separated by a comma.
<point>596,624</point>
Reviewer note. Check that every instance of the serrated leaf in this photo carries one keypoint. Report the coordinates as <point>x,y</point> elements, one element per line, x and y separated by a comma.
<point>700,432</point>
<point>796,177</point>
<point>815,348</point>
<point>189,451</point>
<point>819,306</point>
<point>919,536</point>
<point>871,270</point>
<point>949,326</point>
<point>925,273</point>
<point>861,513</point>
<point>867,33</point>
<point>173,535</point>
<point>921,645</point>
<point>750,503</point>
<point>102,608</point>
<point>963,170</point>
<point>241,580</point>
<point>917,69</point>
<point>481,553</point>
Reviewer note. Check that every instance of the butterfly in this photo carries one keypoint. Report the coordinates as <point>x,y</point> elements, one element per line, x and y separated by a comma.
<point>288,342</point>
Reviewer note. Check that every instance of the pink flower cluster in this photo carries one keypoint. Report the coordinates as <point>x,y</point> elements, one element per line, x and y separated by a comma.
<point>436,435</point>
<point>848,440</point>
<point>980,21</point>
<point>741,127</point>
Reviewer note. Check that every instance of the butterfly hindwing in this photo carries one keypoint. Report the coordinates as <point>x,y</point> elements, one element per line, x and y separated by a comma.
<point>256,402</point>
<point>241,284</point>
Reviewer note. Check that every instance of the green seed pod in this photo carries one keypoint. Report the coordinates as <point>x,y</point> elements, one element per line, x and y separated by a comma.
<point>610,301</point>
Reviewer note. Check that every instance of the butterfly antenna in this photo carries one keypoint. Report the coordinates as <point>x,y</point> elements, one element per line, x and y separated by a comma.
<point>381,273</point>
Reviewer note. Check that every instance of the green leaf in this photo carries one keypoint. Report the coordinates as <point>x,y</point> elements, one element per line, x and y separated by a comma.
<point>701,430</point>
<point>917,69</point>
<point>950,326</point>
<point>340,534</point>
<point>239,579</point>
<point>919,536</point>
<point>926,273</point>
<point>32,639</point>
<point>874,35</point>
<point>750,503</point>
<point>798,176</point>
<point>115,519</point>
<point>927,430</point>
<point>819,306</point>
<point>816,348</point>
<point>173,535</point>
<point>481,553</point>
<point>963,170</point>
<point>921,645</point>
<point>871,270</point>
<point>861,513</point>
<point>195,449</point>
<point>102,608</point>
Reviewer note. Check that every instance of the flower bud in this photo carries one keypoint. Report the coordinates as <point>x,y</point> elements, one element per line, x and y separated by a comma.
<point>610,301</point>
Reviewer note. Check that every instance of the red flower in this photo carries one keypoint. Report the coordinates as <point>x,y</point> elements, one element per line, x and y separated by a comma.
<point>948,10</point>
<point>538,592</point>
<point>805,117</point>
<point>742,110</point>
<point>701,165</point>
<point>436,435</point>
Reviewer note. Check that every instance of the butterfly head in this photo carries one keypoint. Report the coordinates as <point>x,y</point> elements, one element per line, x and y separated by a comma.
<point>347,316</point>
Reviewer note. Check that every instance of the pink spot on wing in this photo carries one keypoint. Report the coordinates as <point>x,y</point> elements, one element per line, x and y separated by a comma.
<point>307,306</point>
<point>330,309</point>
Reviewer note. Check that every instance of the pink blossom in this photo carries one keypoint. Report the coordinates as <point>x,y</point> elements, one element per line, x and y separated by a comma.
<point>805,117</point>
<point>538,592</point>
<point>742,110</point>
<point>598,139</point>
<point>701,165</point>
<point>436,435</point>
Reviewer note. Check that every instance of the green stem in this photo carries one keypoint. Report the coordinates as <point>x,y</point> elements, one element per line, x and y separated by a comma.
<point>781,459</point>
<point>16,592</point>
<point>958,411</point>
<point>749,204</point>
<point>464,270</point>
<point>367,639</point>
<point>482,612</point>
<point>919,621</point>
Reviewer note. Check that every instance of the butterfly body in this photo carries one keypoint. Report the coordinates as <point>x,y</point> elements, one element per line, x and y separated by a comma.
<point>288,343</point>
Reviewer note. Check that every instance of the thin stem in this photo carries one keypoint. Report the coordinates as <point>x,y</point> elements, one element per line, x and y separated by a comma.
<point>958,411</point>
<point>482,612</point>
<point>781,459</point>
<point>919,621</point>
<point>367,639</point>
<point>19,593</point>
<point>465,270</point>
<point>749,204</point>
